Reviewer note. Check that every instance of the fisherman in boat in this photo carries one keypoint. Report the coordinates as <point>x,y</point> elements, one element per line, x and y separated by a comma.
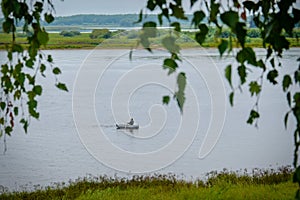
<point>131,122</point>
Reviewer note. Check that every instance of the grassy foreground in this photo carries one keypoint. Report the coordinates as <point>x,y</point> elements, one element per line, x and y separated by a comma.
<point>224,185</point>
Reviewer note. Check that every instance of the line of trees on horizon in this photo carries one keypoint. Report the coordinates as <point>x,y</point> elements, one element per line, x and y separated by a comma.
<point>115,20</point>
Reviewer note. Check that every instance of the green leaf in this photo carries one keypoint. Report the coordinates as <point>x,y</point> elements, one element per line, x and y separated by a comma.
<point>145,41</point>
<point>160,3</point>
<point>214,11</point>
<point>175,56</point>
<point>29,63</point>
<point>269,52</point>
<point>16,111</point>
<point>228,74</point>
<point>296,98</point>
<point>4,68</point>
<point>297,76</point>
<point>296,176</point>
<point>265,7</point>
<point>37,89</point>
<point>151,5</point>
<point>231,97</point>
<point>8,130</point>
<point>32,104</point>
<point>18,69</point>
<point>42,69</point>
<point>253,115</point>
<point>33,49</point>
<point>289,98</point>
<point>2,105</point>
<point>169,43</point>
<point>62,86</point>
<point>166,100</point>
<point>249,5</point>
<point>49,59</point>
<point>254,88</point>
<point>296,14</point>
<point>241,33</point>
<point>230,18</point>
<point>38,6</point>
<point>200,36</point>
<point>25,124</point>
<point>7,26</point>
<point>203,28</point>
<point>242,73</point>
<point>246,54</point>
<point>223,46</point>
<point>281,43</point>
<point>272,75</point>
<point>181,81</point>
<point>43,37</point>
<point>149,29</point>
<point>261,64</point>
<point>165,12</point>
<point>177,11</point>
<point>9,55</point>
<point>56,71</point>
<point>160,20</point>
<point>179,95</point>
<point>170,64</point>
<point>31,79</point>
<point>272,61</point>
<point>140,17</point>
<point>286,119</point>
<point>17,48</point>
<point>286,82</point>
<point>177,26</point>
<point>193,2</point>
<point>17,95</point>
<point>130,54</point>
<point>198,17</point>
<point>49,18</point>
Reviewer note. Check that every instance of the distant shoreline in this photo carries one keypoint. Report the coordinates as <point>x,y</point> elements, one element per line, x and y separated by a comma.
<point>124,40</point>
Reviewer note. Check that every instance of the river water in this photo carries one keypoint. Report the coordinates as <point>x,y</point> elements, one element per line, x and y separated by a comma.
<point>210,135</point>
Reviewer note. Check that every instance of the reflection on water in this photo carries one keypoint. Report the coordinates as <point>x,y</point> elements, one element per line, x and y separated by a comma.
<point>52,151</point>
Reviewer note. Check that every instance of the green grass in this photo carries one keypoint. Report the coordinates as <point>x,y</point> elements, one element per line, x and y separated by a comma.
<point>261,184</point>
<point>280,191</point>
<point>83,41</point>
<point>57,41</point>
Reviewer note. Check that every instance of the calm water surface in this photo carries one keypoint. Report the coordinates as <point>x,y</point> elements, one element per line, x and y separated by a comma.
<point>52,150</point>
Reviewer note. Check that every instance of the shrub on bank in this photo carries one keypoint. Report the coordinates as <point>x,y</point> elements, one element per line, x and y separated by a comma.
<point>69,33</point>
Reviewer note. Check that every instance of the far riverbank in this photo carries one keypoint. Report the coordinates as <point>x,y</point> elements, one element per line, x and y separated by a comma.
<point>123,40</point>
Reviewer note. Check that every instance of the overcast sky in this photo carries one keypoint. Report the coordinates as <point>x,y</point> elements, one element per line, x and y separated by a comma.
<point>71,7</point>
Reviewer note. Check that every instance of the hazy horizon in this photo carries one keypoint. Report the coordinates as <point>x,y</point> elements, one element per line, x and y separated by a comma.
<point>76,7</point>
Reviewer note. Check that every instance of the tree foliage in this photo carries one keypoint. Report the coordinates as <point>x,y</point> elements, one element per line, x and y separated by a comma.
<point>20,90</point>
<point>100,33</point>
<point>275,20</point>
<point>69,33</point>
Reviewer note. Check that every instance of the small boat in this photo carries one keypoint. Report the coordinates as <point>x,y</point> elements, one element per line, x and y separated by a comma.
<point>127,126</point>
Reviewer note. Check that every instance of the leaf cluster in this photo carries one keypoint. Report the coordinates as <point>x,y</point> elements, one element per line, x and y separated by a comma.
<point>19,90</point>
<point>275,21</point>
